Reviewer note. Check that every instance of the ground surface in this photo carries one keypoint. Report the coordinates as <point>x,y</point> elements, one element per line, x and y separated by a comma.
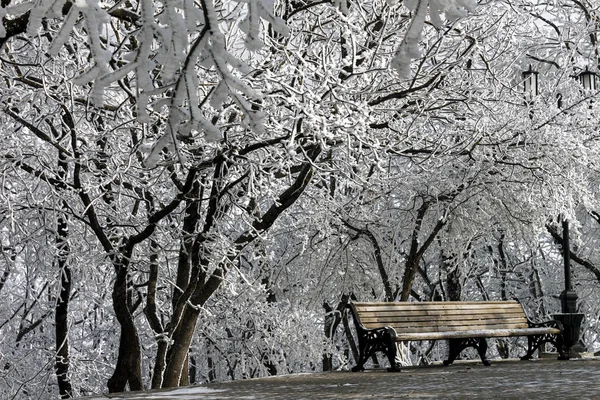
<point>537,379</point>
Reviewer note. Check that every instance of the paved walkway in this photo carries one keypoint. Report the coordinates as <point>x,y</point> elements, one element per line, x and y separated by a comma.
<point>536,379</point>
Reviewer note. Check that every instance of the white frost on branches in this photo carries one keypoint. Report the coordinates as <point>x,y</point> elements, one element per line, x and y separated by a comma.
<point>410,47</point>
<point>180,47</point>
<point>95,20</point>
<point>250,25</point>
<point>209,51</point>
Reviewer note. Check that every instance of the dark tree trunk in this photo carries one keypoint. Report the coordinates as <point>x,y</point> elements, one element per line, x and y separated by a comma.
<point>151,312</point>
<point>181,339</point>
<point>128,369</point>
<point>333,318</point>
<point>502,268</point>
<point>61,312</point>
<point>193,369</point>
<point>416,252</point>
<point>454,288</point>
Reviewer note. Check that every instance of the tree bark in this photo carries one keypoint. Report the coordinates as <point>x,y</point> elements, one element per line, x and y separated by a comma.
<point>201,287</point>
<point>387,287</point>
<point>181,339</point>
<point>61,313</point>
<point>453,283</point>
<point>128,369</point>
<point>151,312</point>
<point>416,252</point>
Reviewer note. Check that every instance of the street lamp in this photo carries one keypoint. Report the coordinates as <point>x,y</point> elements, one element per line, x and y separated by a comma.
<point>530,84</point>
<point>588,79</point>
<point>569,317</point>
<point>568,298</point>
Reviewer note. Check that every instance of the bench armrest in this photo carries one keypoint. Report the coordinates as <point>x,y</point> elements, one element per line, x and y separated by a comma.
<point>552,323</point>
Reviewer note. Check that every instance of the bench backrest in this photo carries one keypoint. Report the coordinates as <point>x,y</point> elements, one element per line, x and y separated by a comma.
<point>438,316</point>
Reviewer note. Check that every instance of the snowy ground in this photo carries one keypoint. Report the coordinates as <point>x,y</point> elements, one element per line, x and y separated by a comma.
<point>537,379</point>
<point>188,393</point>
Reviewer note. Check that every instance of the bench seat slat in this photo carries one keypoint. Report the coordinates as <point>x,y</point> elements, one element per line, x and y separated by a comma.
<point>379,307</point>
<point>466,324</point>
<point>449,328</point>
<point>507,303</point>
<point>428,303</point>
<point>449,313</point>
<point>401,319</point>
<point>486,333</point>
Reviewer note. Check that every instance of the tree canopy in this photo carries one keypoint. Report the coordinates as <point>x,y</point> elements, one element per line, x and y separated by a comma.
<point>193,189</point>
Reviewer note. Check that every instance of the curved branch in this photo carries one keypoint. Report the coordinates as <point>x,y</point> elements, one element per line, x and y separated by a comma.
<point>587,264</point>
<point>389,293</point>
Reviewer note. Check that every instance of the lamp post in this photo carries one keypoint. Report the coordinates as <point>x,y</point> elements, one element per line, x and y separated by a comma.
<point>569,317</point>
<point>588,79</point>
<point>568,298</point>
<point>530,84</point>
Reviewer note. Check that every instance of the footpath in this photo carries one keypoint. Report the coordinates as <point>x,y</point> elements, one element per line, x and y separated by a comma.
<point>504,379</point>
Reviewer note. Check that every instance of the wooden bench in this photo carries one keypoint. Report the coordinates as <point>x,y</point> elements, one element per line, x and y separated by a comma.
<point>463,323</point>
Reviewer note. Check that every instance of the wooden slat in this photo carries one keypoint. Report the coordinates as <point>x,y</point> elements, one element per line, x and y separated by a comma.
<point>422,322</point>
<point>439,314</point>
<point>447,320</point>
<point>434,307</point>
<point>522,322</point>
<point>402,303</point>
<point>440,304</point>
<point>476,333</point>
<point>450,328</point>
<point>439,317</point>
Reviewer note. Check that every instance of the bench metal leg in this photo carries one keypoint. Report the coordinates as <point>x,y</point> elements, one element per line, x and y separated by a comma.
<point>482,350</point>
<point>392,355</point>
<point>534,342</point>
<point>456,346</point>
<point>374,340</point>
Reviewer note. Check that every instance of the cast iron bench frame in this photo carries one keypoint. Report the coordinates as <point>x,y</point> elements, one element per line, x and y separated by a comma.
<point>463,323</point>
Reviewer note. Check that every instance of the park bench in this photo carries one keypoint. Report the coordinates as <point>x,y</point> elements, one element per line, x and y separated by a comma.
<point>463,323</point>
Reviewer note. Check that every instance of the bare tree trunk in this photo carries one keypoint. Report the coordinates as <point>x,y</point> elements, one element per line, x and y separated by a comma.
<point>151,312</point>
<point>389,294</point>
<point>333,318</point>
<point>61,312</point>
<point>181,339</point>
<point>61,316</point>
<point>416,252</point>
<point>184,379</point>
<point>129,362</point>
<point>502,268</point>
<point>454,291</point>
<point>193,369</point>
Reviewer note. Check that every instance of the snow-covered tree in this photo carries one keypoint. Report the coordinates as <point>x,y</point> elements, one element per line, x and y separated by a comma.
<point>201,176</point>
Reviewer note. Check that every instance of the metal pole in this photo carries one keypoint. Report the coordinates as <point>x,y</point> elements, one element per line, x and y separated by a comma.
<point>566,255</point>
<point>569,318</point>
<point>569,296</point>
